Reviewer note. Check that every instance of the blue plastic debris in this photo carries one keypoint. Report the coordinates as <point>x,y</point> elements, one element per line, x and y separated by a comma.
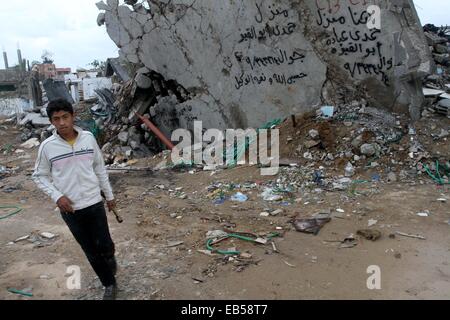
<point>376,177</point>
<point>327,111</point>
<point>219,201</point>
<point>240,197</point>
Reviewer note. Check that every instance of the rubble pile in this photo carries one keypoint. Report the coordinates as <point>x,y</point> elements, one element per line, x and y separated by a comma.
<point>437,86</point>
<point>364,144</point>
<point>112,115</point>
<point>356,145</point>
<point>127,137</point>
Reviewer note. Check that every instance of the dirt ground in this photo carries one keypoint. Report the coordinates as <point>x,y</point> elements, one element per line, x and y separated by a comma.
<point>157,245</point>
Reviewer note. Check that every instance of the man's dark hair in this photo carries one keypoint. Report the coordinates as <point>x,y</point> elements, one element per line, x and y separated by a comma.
<point>58,105</point>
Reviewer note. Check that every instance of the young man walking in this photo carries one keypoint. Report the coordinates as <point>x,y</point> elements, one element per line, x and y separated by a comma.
<point>71,170</point>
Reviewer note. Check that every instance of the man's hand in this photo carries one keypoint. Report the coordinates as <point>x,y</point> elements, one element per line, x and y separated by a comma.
<point>111,205</point>
<point>65,205</point>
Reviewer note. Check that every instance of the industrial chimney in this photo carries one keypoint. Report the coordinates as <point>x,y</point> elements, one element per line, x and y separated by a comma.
<point>5,59</point>
<point>19,57</point>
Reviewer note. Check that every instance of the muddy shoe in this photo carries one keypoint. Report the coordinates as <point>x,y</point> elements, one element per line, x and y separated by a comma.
<point>110,292</point>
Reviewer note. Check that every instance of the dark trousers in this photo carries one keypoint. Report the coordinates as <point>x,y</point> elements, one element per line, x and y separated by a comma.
<point>90,228</point>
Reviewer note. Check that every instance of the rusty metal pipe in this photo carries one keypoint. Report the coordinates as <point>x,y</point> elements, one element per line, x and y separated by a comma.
<point>156,131</point>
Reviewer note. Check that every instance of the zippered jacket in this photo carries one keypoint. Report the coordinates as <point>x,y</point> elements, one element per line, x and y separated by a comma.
<point>77,172</point>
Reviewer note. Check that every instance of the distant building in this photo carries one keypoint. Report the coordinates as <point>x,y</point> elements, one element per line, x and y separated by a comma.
<point>83,73</point>
<point>13,81</point>
<point>62,72</point>
<point>50,71</point>
<point>46,71</point>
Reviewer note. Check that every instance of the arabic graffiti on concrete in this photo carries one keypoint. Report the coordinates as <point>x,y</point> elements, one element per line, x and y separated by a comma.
<point>350,37</point>
<point>278,67</point>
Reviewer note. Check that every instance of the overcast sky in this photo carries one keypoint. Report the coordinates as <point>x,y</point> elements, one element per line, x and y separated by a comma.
<point>69,29</point>
<point>66,28</point>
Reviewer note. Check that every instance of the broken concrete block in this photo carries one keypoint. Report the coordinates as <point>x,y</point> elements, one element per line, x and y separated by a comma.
<point>269,63</point>
<point>30,144</point>
<point>143,70</point>
<point>314,134</point>
<point>442,59</point>
<point>392,177</point>
<point>35,119</point>
<point>102,5</point>
<point>40,121</point>
<point>440,48</point>
<point>368,149</point>
<point>134,144</point>
<point>143,81</point>
<point>357,142</point>
<point>123,137</point>
<point>276,212</point>
<point>101,19</point>
<point>349,170</point>
<point>112,3</point>
<point>48,235</point>
<point>433,39</point>
<point>444,103</point>
<point>432,92</point>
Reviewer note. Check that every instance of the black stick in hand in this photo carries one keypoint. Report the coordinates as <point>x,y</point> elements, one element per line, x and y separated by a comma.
<point>116,214</point>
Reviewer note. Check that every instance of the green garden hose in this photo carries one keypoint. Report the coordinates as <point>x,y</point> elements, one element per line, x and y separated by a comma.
<point>437,178</point>
<point>237,236</point>
<point>18,209</point>
<point>237,153</point>
<point>15,291</point>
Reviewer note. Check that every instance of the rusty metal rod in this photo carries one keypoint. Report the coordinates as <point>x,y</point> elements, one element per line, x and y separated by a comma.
<point>156,131</point>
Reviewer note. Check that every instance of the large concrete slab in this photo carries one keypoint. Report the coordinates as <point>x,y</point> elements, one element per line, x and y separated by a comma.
<point>250,61</point>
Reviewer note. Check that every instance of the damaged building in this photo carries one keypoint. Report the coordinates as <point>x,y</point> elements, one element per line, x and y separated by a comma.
<point>14,87</point>
<point>244,63</point>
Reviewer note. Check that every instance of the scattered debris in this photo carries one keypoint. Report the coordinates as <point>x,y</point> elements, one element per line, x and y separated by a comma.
<point>48,235</point>
<point>310,225</point>
<point>327,111</point>
<point>30,144</point>
<point>24,292</point>
<point>39,239</point>
<point>289,264</point>
<point>349,242</point>
<point>172,244</point>
<point>245,255</point>
<point>423,214</point>
<point>239,197</point>
<point>369,234</point>
<point>275,249</point>
<point>276,212</point>
<point>216,234</point>
<point>349,170</point>
<point>410,235</point>
<point>269,195</point>
<point>372,222</point>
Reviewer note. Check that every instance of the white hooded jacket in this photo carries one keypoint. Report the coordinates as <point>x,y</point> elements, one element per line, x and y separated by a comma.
<point>77,172</point>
